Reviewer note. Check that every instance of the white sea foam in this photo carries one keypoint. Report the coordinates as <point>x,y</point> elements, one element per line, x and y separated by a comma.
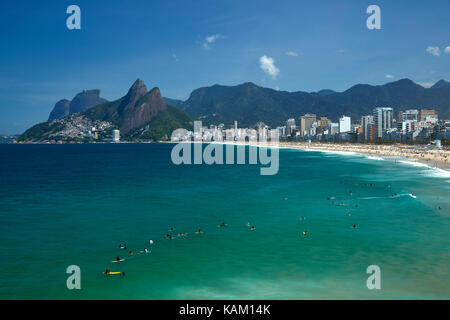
<point>343,153</point>
<point>414,163</point>
<point>375,158</point>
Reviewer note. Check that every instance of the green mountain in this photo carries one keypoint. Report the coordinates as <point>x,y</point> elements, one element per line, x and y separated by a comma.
<point>140,114</point>
<point>441,84</point>
<point>162,125</point>
<point>173,102</point>
<point>248,103</point>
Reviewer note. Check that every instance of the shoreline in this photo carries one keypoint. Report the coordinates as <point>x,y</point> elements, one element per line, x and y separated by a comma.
<point>434,159</point>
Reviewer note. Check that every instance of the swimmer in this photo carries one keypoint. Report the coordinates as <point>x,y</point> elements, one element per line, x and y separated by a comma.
<point>305,233</point>
<point>253,228</point>
<point>223,224</point>
<point>150,241</point>
<point>354,226</point>
<point>349,214</point>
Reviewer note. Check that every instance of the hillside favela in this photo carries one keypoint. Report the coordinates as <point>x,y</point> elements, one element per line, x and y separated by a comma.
<point>225,159</point>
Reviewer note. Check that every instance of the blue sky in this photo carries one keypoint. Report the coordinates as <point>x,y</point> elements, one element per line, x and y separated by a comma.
<point>182,45</point>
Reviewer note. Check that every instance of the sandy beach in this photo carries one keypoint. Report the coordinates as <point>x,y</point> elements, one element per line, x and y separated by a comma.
<point>434,158</point>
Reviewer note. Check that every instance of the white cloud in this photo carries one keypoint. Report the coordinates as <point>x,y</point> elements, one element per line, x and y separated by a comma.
<point>267,65</point>
<point>435,51</point>
<point>292,54</point>
<point>427,84</point>
<point>447,50</point>
<point>210,40</point>
<point>389,76</point>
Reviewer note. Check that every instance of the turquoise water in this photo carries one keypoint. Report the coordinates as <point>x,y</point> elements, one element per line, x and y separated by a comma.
<point>64,205</point>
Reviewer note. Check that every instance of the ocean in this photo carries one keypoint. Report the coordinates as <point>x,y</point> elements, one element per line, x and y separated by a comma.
<point>63,205</point>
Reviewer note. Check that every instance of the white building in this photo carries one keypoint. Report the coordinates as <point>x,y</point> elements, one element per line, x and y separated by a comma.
<point>412,114</point>
<point>333,128</point>
<point>116,136</point>
<point>365,122</point>
<point>382,118</point>
<point>290,126</point>
<point>345,124</point>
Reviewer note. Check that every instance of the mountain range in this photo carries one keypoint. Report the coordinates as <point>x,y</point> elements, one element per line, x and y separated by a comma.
<point>248,103</point>
<point>82,101</point>
<point>140,114</point>
<point>143,114</point>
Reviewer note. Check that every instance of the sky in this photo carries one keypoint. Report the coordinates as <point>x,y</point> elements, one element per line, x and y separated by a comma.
<point>180,46</point>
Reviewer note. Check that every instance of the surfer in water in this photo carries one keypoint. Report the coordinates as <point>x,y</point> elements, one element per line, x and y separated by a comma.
<point>118,259</point>
<point>107,271</point>
<point>199,231</point>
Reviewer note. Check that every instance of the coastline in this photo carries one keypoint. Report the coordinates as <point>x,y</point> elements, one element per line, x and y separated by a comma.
<point>431,158</point>
<point>434,159</point>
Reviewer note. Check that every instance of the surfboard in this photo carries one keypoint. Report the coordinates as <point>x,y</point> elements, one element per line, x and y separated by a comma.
<point>118,261</point>
<point>112,273</point>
